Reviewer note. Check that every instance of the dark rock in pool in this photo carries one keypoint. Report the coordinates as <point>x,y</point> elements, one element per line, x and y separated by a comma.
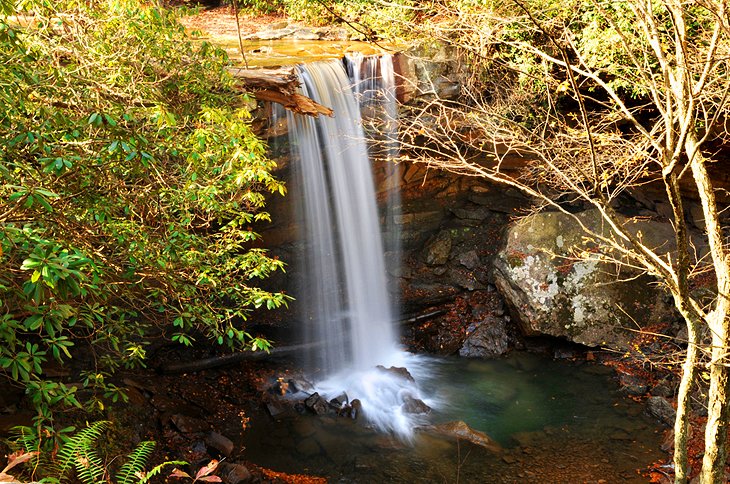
<point>414,405</point>
<point>460,430</point>
<point>316,404</point>
<point>661,409</point>
<point>221,443</point>
<point>397,371</point>
<point>632,385</point>
<point>486,339</point>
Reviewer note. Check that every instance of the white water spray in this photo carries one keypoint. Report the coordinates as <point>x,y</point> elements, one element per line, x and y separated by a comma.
<point>352,324</point>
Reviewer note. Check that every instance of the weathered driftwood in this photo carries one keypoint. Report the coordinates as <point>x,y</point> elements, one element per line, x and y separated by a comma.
<point>279,86</point>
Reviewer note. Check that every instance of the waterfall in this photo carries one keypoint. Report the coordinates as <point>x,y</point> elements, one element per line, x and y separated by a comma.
<point>349,311</point>
<point>346,283</point>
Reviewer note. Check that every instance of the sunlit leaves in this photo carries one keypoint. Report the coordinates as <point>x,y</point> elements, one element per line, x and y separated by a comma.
<point>130,183</point>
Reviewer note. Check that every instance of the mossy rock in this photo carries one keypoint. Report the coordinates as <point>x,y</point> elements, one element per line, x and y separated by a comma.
<point>549,273</point>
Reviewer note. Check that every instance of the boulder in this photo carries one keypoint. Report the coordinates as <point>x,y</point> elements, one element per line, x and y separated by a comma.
<point>486,339</point>
<point>461,431</point>
<point>553,289</point>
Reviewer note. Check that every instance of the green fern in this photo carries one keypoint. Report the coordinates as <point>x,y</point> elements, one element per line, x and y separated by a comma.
<point>79,453</point>
<point>136,461</point>
<point>27,439</point>
<point>157,469</point>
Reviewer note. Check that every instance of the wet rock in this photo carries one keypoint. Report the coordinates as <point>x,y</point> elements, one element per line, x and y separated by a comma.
<point>620,435</point>
<point>306,34</point>
<point>317,404</point>
<point>397,371</point>
<point>550,292</point>
<point>274,410</point>
<point>355,408</point>
<point>199,447</point>
<point>414,405</point>
<point>304,427</point>
<point>300,385</point>
<point>632,385</point>
<point>233,473</point>
<point>340,401</point>
<point>478,213</point>
<point>661,409</point>
<point>164,403</point>
<point>508,459</point>
<point>221,443</point>
<point>438,249</point>
<point>189,425</point>
<point>486,339</point>
<point>464,279</point>
<point>460,430</point>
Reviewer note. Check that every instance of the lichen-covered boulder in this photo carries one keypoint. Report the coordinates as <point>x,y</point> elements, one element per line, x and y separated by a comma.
<point>551,290</point>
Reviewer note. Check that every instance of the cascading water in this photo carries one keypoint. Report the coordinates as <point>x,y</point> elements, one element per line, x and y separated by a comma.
<point>351,323</point>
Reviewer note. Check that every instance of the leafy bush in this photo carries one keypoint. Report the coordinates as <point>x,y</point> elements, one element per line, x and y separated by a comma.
<point>129,183</point>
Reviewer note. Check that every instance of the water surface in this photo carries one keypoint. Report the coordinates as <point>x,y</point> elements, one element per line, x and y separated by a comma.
<point>557,422</point>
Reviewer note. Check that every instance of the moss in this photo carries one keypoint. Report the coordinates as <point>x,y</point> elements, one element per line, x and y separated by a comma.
<point>516,258</point>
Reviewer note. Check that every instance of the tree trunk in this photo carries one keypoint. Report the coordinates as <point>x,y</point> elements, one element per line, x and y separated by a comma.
<point>681,423</point>
<point>713,463</point>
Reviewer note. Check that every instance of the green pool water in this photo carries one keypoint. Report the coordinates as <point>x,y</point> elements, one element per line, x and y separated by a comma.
<point>557,422</point>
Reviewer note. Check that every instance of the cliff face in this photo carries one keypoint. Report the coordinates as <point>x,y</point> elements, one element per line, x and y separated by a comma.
<point>474,274</point>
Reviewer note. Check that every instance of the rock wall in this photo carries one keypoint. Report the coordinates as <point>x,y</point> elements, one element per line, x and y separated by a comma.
<point>474,277</point>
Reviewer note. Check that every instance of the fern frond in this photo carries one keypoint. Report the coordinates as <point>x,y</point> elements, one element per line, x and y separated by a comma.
<point>27,439</point>
<point>136,461</point>
<point>158,468</point>
<point>79,448</point>
<point>89,466</point>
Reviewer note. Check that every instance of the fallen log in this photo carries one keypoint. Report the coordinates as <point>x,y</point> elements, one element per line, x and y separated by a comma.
<point>280,86</point>
<point>231,359</point>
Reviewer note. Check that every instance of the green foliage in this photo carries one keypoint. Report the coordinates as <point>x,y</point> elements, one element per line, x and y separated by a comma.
<point>261,6</point>
<point>135,463</point>
<point>79,453</point>
<point>77,457</point>
<point>130,182</point>
<point>376,19</point>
